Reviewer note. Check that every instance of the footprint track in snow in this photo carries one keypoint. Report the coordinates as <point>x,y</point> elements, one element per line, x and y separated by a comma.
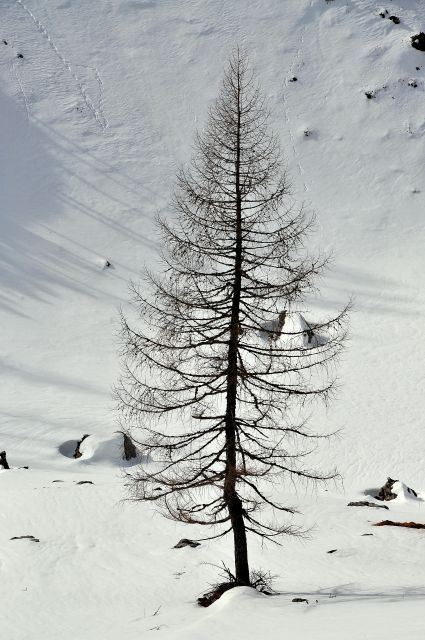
<point>97,113</point>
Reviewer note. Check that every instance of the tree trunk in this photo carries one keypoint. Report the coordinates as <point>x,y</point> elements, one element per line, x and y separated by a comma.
<point>233,502</point>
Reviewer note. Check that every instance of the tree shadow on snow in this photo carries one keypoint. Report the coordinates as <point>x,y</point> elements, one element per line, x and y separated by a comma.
<point>31,264</point>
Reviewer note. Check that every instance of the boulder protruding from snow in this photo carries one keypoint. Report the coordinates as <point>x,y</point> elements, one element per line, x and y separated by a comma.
<point>185,542</point>
<point>129,448</point>
<point>386,493</point>
<point>77,452</point>
<point>418,41</point>
<point>3,460</point>
<point>393,489</point>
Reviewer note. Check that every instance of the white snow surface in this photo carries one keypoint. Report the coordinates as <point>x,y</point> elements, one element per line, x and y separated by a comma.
<point>95,118</point>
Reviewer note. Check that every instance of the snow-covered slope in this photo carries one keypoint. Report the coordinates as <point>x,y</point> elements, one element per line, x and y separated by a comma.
<point>94,120</point>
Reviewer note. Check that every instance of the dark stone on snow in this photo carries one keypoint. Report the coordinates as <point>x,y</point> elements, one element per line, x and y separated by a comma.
<point>395,19</point>
<point>386,492</point>
<point>293,79</point>
<point>25,538</point>
<point>58,480</point>
<point>77,452</point>
<point>332,551</point>
<point>129,450</point>
<point>24,467</point>
<point>3,460</point>
<point>367,534</point>
<point>85,482</point>
<point>413,83</point>
<point>418,68</point>
<point>418,41</point>
<point>19,55</point>
<point>5,42</point>
<point>370,94</point>
<point>299,600</point>
<point>365,503</point>
<point>407,525</point>
<point>208,598</point>
<point>185,542</point>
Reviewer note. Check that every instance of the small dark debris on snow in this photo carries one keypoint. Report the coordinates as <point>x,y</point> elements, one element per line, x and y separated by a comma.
<point>19,55</point>
<point>395,19</point>
<point>211,596</point>
<point>370,94</point>
<point>413,83</point>
<point>3,460</point>
<point>85,482</point>
<point>25,538</point>
<point>58,480</point>
<point>5,42</point>
<point>77,452</point>
<point>299,600</point>
<point>367,534</point>
<point>307,133</point>
<point>293,79</point>
<point>365,503</point>
<point>418,68</point>
<point>418,41</point>
<point>24,467</point>
<point>332,551</point>
<point>407,525</point>
<point>185,542</point>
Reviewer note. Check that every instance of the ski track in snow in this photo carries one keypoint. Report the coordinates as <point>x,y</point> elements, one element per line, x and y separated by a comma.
<point>97,113</point>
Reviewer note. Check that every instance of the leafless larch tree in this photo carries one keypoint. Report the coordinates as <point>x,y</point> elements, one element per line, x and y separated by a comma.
<point>215,367</point>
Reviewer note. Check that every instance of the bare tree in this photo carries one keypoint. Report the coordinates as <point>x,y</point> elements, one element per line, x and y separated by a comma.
<point>218,351</point>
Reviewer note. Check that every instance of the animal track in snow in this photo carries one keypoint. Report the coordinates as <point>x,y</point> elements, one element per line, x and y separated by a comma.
<point>97,113</point>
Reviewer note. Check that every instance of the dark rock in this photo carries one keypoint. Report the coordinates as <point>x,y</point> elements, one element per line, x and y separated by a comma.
<point>24,467</point>
<point>370,94</point>
<point>367,534</point>
<point>4,41</point>
<point>413,83</point>
<point>299,600</point>
<point>77,452</point>
<point>332,551</point>
<point>3,460</point>
<point>19,55</point>
<point>85,482</point>
<point>185,542</point>
<point>395,19</point>
<point>365,503</point>
<point>382,14</point>
<point>418,41</point>
<point>58,480</point>
<point>408,525</point>
<point>25,538</point>
<point>386,492</point>
<point>293,79</point>
<point>130,450</point>
<point>418,68</point>
<point>208,598</point>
